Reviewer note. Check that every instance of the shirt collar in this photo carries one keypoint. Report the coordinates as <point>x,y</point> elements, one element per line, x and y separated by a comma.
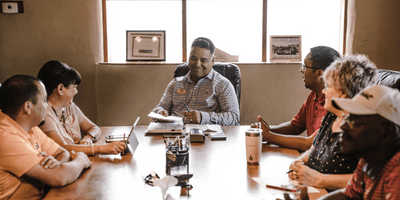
<point>13,124</point>
<point>320,99</point>
<point>208,76</point>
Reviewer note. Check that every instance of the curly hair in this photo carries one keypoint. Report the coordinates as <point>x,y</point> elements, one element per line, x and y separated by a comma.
<point>352,74</point>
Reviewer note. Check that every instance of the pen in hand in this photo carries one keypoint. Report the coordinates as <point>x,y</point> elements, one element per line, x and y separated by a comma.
<point>187,108</point>
<point>292,169</point>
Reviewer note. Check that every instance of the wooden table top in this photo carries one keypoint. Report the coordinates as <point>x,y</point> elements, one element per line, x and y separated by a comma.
<point>219,169</point>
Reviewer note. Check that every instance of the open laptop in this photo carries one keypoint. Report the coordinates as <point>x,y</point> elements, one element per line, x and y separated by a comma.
<point>132,139</point>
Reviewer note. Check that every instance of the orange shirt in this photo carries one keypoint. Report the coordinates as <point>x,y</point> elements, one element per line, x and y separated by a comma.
<point>18,154</point>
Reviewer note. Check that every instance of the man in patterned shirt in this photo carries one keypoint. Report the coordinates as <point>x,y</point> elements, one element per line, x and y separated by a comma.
<point>372,132</point>
<point>202,96</point>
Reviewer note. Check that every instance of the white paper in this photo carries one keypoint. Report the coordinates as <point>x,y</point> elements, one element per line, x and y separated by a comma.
<point>263,181</point>
<point>165,119</point>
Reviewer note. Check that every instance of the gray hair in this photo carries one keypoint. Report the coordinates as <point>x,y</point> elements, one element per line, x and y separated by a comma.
<point>352,74</point>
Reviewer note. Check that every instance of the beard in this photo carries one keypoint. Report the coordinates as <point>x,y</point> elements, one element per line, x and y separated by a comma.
<point>41,123</point>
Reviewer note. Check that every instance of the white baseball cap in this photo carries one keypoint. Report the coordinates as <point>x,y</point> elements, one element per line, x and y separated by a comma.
<point>377,99</point>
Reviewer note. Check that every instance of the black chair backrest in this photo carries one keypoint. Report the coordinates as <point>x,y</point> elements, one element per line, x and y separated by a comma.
<point>228,70</point>
<point>389,78</point>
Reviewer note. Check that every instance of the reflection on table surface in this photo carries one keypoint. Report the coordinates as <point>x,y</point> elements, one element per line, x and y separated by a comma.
<point>219,169</point>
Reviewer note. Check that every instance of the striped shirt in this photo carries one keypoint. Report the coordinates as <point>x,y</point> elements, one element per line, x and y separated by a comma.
<point>385,184</point>
<point>213,96</point>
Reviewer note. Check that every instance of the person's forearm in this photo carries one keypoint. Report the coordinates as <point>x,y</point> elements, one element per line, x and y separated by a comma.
<point>333,181</point>
<point>95,130</point>
<point>285,128</point>
<point>231,118</point>
<point>66,173</point>
<point>88,150</point>
<point>304,157</point>
<point>63,157</point>
<point>300,143</point>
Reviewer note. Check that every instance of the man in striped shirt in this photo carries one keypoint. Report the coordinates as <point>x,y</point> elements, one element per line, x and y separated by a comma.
<point>372,132</point>
<point>203,96</point>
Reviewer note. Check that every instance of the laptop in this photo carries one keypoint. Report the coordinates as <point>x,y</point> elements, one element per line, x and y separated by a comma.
<point>132,139</point>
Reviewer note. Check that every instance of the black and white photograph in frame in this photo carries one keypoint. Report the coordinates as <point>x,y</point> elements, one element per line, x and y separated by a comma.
<point>285,48</point>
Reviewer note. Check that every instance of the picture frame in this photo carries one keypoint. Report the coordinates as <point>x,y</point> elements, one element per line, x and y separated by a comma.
<point>285,48</point>
<point>145,45</point>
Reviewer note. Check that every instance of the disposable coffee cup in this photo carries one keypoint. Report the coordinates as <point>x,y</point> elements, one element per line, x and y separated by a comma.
<point>253,146</point>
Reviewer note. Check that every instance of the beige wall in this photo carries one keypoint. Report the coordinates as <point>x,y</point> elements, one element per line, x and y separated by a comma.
<point>377,32</point>
<point>71,31</point>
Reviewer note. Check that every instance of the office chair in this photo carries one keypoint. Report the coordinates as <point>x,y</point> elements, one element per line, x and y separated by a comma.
<point>228,70</point>
<point>389,78</point>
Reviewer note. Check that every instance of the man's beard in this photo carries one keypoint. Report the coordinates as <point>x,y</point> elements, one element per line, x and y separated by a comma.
<point>41,123</point>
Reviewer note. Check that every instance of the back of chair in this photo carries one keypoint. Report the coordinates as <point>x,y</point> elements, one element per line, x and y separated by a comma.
<point>228,70</point>
<point>389,78</point>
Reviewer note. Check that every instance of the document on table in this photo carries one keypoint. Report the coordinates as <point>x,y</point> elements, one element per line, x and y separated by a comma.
<point>207,128</point>
<point>159,128</point>
<point>162,118</point>
<point>281,181</point>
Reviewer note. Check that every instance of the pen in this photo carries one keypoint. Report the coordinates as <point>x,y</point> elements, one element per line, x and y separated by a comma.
<point>281,188</point>
<point>292,169</point>
<point>187,108</point>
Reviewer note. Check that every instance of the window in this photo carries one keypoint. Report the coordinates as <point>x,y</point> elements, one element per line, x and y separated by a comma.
<point>235,26</point>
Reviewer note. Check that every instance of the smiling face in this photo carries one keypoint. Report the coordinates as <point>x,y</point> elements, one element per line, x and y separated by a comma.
<point>69,93</point>
<point>330,92</point>
<point>201,62</point>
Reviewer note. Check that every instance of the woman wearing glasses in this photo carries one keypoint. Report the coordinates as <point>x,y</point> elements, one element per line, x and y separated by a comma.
<point>323,165</point>
<point>64,122</point>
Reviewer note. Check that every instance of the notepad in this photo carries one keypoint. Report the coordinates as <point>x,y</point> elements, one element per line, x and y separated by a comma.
<point>207,128</point>
<point>159,128</point>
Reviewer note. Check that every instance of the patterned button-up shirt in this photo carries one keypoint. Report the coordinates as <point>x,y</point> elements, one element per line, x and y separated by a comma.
<point>213,96</point>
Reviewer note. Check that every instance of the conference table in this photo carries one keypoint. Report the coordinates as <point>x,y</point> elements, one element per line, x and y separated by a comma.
<point>219,169</point>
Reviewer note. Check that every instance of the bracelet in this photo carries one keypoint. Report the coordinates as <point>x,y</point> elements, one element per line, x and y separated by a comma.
<point>92,150</point>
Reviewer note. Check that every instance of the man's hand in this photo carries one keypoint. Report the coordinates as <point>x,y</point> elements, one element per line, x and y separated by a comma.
<point>193,116</point>
<point>264,127</point>
<point>81,157</point>
<point>86,140</point>
<point>48,161</point>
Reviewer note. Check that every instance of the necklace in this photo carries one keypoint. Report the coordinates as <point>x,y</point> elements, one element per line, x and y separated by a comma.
<point>55,112</point>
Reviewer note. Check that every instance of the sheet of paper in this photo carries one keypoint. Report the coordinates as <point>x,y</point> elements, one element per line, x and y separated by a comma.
<point>165,119</point>
<point>263,181</point>
<point>207,128</point>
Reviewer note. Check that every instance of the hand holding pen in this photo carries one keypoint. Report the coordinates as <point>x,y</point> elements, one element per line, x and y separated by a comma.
<point>192,115</point>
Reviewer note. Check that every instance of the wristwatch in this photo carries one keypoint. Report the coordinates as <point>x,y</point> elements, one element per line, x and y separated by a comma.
<point>93,137</point>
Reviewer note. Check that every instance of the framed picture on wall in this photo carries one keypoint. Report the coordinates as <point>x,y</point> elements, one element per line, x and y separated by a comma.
<point>285,48</point>
<point>145,45</point>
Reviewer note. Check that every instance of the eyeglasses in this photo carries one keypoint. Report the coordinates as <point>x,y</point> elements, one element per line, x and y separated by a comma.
<point>303,67</point>
<point>351,123</point>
